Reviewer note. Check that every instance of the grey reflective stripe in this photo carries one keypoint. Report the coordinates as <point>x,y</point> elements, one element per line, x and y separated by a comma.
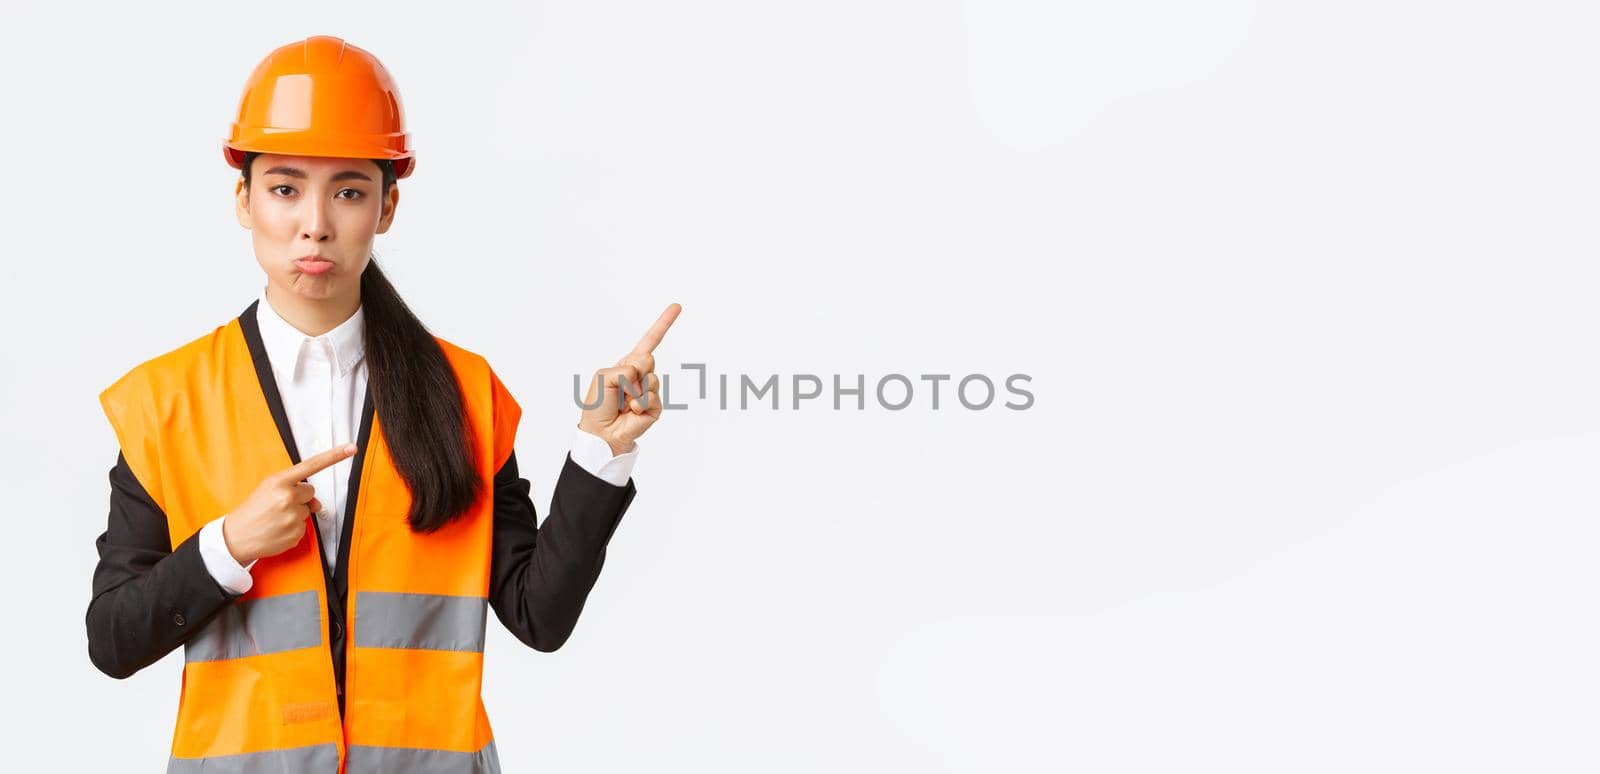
<point>392,619</point>
<point>366,759</point>
<point>316,758</point>
<point>255,626</point>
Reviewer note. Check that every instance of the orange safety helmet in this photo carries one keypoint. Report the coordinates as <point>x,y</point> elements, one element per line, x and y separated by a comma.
<point>321,97</point>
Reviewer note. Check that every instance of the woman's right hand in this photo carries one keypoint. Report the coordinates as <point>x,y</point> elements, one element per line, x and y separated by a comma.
<point>273,518</point>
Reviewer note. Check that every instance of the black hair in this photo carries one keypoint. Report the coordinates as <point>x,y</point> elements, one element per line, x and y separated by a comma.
<point>414,390</point>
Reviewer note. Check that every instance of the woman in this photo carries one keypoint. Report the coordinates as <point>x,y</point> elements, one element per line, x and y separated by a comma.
<point>319,499</point>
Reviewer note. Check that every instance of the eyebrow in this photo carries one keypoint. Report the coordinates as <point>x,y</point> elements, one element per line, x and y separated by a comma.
<point>348,174</point>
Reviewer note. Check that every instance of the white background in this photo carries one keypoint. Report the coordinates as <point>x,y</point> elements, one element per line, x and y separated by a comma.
<point>1307,292</point>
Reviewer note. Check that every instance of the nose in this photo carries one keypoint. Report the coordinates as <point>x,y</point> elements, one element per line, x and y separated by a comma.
<point>318,227</point>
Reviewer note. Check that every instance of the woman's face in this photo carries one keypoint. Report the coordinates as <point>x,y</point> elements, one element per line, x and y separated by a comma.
<point>313,220</point>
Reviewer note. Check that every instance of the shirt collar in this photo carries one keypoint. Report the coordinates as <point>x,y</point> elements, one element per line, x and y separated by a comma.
<point>286,345</point>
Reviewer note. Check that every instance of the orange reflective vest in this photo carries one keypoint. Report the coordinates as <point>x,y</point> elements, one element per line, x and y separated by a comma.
<point>200,427</point>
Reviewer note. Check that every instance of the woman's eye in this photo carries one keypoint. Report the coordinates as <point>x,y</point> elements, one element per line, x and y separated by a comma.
<point>280,189</point>
<point>344,191</point>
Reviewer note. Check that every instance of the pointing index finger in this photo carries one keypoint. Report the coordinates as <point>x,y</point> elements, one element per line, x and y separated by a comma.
<point>317,462</point>
<point>657,330</point>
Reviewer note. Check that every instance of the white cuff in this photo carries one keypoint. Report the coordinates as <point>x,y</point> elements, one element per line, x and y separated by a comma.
<point>220,562</point>
<point>593,454</point>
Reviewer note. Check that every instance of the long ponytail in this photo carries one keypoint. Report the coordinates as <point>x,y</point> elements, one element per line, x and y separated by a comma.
<point>414,390</point>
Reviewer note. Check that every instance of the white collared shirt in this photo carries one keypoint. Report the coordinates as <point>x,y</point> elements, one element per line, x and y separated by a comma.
<point>323,381</point>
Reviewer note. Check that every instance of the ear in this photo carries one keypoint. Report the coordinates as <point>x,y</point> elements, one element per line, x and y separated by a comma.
<point>390,202</point>
<point>241,205</point>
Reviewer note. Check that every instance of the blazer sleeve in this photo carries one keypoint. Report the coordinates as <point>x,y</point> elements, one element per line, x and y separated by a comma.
<point>541,576</point>
<point>147,598</point>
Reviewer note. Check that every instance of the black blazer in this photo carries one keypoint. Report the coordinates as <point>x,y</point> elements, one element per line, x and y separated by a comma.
<point>149,598</point>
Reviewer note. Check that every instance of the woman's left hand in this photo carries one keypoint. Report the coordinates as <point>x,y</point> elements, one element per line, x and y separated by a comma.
<point>627,410</point>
